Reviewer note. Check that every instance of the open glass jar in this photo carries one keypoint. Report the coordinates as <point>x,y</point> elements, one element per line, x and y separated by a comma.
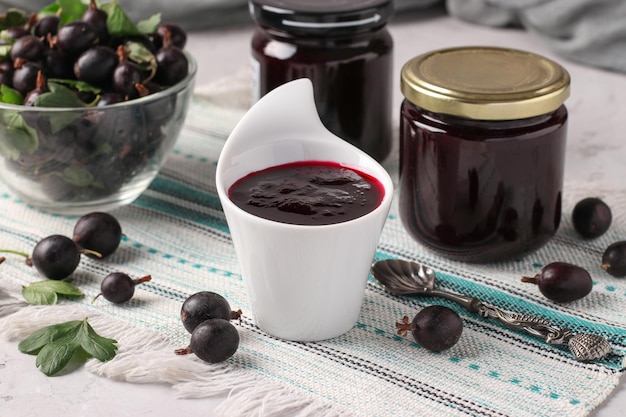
<point>482,148</point>
<point>344,48</point>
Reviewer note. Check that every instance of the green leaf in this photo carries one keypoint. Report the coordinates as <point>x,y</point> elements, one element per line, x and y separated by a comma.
<point>16,136</point>
<point>99,347</point>
<point>39,296</point>
<point>33,343</point>
<point>81,86</point>
<point>56,345</point>
<point>72,10</point>
<point>51,9</point>
<point>78,176</point>
<point>53,357</point>
<point>58,96</point>
<point>118,22</point>
<point>10,95</point>
<point>5,52</point>
<point>141,55</point>
<point>13,17</point>
<point>45,292</point>
<point>150,24</point>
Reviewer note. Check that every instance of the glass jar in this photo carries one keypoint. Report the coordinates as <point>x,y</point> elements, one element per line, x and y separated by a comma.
<point>482,149</point>
<point>344,48</point>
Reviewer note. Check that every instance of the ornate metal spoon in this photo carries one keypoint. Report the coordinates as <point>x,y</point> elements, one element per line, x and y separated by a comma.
<point>410,278</point>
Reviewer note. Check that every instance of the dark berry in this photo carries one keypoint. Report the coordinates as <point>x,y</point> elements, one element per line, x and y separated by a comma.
<point>6,73</point>
<point>75,37</point>
<point>28,47</point>
<point>614,259</point>
<point>97,18</point>
<point>56,64</point>
<point>126,75</point>
<point>25,77</point>
<point>56,257</point>
<point>435,328</point>
<point>40,88</point>
<point>172,66</point>
<point>99,232</point>
<point>118,287</point>
<point>591,217</point>
<point>47,25</point>
<point>16,32</point>
<point>95,65</point>
<point>203,306</point>
<point>177,35</point>
<point>110,98</point>
<point>213,341</point>
<point>562,282</point>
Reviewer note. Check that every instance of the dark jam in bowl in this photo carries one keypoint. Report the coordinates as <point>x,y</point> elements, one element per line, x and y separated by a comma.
<point>308,193</point>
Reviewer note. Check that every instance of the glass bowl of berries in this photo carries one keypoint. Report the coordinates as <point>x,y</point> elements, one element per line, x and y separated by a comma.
<point>91,104</point>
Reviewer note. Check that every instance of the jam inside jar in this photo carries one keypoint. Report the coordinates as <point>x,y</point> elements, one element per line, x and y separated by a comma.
<point>344,48</point>
<point>476,189</point>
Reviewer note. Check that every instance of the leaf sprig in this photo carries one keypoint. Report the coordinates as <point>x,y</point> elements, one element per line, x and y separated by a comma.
<point>46,292</point>
<point>56,345</point>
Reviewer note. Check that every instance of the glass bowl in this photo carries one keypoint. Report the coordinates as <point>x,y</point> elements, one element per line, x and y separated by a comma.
<point>77,160</point>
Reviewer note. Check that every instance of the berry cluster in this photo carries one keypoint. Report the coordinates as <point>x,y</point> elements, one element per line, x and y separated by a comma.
<point>99,66</point>
<point>564,282</point>
<point>96,235</point>
<point>206,315</point>
<point>86,59</point>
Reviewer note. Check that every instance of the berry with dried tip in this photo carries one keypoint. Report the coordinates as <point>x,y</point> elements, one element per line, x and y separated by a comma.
<point>28,48</point>
<point>118,287</point>
<point>435,328</point>
<point>614,259</point>
<point>591,217</point>
<point>99,232</point>
<point>213,341</point>
<point>562,282</point>
<point>56,256</point>
<point>203,306</point>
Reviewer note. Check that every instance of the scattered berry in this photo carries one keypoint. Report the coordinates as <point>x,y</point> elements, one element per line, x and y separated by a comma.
<point>614,259</point>
<point>99,232</point>
<point>591,217</point>
<point>435,328</point>
<point>56,257</point>
<point>118,287</point>
<point>562,282</point>
<point>213,341</point>
<point>203,306</point>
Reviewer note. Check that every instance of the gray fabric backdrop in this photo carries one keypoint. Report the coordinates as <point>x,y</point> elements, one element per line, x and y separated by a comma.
<point>592,32</point>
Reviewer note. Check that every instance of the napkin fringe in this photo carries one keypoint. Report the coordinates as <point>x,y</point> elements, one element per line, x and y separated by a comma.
<point>144,356</point>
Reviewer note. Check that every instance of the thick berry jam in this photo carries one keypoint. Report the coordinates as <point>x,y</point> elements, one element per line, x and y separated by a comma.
<point>308,193</point>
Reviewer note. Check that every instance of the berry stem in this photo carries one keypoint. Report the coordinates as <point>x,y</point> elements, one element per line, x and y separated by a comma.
<point>91,252</point>
<point>405,327</point>
<point>605,266</point>
<point>236,315</point>
<point>142,279</point>
<point>28,260</point>
<point>183,351</point>
<point>2,259</point>
<point>532,280</point>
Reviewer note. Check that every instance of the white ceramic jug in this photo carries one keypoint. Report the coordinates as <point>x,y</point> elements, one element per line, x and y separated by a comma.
<point>305,283</point>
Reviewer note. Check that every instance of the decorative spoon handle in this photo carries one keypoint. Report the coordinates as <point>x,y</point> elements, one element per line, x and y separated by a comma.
<point>410,278</point>
<point>584,347</point>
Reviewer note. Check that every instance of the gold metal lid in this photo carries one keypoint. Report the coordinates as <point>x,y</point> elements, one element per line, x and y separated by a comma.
<point>485,83</point>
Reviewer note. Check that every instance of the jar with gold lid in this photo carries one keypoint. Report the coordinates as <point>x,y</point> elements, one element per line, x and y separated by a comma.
<point>482,148</point>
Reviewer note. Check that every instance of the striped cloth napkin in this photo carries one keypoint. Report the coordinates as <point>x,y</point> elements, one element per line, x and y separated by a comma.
<point>177,233</point>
